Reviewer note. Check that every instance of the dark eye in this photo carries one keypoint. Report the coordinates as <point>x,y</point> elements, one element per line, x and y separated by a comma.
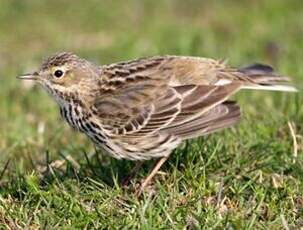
<point>58,73</point>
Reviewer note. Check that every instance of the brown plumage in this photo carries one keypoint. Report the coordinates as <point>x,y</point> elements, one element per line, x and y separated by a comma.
<point>144,108</point>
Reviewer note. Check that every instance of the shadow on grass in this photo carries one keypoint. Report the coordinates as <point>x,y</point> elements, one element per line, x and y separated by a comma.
<point>98,167</point>
<point>111,172</point>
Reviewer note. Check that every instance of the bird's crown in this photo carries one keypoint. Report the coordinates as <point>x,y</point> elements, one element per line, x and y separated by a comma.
<point>59,59</point>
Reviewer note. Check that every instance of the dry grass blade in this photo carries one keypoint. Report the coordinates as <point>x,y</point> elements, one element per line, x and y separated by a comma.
<point>294,139</point>
<point>284,222</point>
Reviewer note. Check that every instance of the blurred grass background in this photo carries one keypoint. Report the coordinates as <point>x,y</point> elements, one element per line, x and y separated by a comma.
<point>244,177</point>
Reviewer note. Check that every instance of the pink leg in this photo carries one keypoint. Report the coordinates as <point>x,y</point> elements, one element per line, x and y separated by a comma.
<point>132,173</point>
<point>151,175</point>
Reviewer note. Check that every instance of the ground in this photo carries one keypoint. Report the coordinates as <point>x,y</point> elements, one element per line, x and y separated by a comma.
<point>246,177</point>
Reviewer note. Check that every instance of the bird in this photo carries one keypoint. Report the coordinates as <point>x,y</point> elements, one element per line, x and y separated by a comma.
<point>142,109</point>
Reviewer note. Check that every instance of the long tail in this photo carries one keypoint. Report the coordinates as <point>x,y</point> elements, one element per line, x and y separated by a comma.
<point>263,77</point>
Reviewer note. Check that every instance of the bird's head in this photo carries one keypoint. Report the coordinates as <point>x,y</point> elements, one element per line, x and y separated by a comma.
<point>64,74</point>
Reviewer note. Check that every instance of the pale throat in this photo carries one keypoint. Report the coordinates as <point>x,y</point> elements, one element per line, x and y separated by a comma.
<point>61,94</point>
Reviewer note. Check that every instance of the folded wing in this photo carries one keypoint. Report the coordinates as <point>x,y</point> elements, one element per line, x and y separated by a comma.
<point>168,99</point>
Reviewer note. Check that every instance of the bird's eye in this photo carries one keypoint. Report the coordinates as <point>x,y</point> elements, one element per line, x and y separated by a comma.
<point>58,73</point>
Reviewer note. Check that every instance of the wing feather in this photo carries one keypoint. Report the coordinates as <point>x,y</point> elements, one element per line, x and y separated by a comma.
<point>219,117</point>
<point>202,99</point>
<point>143,96</point>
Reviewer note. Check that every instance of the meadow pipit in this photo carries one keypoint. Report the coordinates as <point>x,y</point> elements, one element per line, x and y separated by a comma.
<point>144,108</point>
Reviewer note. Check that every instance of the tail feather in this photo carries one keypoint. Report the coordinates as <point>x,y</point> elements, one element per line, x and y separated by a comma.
<point>263,77</point>
<point>285,88</point>
<point>257,69</point>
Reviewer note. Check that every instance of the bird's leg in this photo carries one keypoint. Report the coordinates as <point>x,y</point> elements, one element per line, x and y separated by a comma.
<point>132,173</point>
<point>151,175</point>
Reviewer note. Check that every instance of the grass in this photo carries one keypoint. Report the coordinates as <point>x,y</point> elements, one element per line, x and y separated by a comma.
<point>246,177</point>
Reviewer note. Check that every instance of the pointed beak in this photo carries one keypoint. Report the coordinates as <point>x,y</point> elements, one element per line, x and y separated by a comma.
<point>29,76</point>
